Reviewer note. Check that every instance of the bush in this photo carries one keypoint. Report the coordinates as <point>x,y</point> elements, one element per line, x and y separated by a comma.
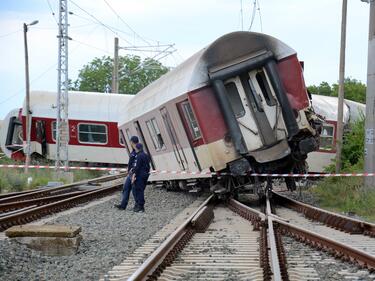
<point>352,154</point>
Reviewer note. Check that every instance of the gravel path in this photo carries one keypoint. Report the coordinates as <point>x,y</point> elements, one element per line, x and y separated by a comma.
<point>109,235</point>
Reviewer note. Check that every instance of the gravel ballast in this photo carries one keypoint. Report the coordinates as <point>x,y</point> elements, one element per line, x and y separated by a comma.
<point>109,235</point>
<point>326,267</point>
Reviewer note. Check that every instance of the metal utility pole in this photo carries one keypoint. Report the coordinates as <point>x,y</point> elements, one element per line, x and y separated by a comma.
<point>370,100</point>
<point>339,133</point>
<point>62,102</point>
<point>115,81</point>
<point>28,120</point>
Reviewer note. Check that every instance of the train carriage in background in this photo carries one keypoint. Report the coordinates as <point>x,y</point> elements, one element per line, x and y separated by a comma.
<point>93,128</point>
<point>327,107</point>
<point>239,104</point>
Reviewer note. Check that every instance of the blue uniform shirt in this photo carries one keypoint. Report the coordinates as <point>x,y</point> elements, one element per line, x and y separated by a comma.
<point>141,167</point>
<point>131,162</point>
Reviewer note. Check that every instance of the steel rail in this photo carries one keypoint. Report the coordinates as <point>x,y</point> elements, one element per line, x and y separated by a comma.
<point>343,223</point>
<point>151,264</point>
<point>10,194</point>
<point>6,207</point>
<point>259,221</point>
<point>40,211</point>
<point>336,248</point>
<point>275,263</point>
<point>46,191</point>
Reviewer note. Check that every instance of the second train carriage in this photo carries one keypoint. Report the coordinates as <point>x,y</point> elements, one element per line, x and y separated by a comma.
<point>93,128</point>
<point>239,104</point>
<point>326,106</point>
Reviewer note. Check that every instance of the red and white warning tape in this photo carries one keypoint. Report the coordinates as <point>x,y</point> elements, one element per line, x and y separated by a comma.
<point>196,173</point>
<point>271,175</point>
<point>70,168</point>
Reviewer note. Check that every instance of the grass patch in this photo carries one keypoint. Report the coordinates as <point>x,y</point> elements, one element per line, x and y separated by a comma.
<point>14,179</point>
<point>346,195</point>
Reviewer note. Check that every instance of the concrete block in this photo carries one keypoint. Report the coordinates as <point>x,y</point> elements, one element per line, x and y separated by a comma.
<point>51,246</point>
<point>46,230</point>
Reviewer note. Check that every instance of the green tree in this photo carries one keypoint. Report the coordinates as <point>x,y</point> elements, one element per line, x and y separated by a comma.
<point>354,90</point>
<point>134,74</point>
<point>323,89</point>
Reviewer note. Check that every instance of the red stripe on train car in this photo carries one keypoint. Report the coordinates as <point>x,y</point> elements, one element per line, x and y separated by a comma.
<point>208,114</point>
<point>291,75</point>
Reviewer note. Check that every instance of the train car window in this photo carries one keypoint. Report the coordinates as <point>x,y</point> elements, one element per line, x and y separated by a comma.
<point>327,137</point>
<point>54,130</point>
<point>235,99</point>
<point>265,87</point>
<point>256,100</point>
<point>155,134</point>
<point>121,138</point>
<point>193,124</point>
<point>92,133</point>
<point>127,131</point>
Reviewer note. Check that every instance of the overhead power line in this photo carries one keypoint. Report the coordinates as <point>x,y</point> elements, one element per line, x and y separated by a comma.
<point>124,22</point>
<point>52,12</point>
<point>91,46</point>
<point>99,21</point>
<point>253,14</point>
<point>10,33</point>
<point>260,17</point>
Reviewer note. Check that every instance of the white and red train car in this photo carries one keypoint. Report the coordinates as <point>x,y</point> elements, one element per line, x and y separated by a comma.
<point>239,104</point>
<point>93,128</point>
<point>327,107</point>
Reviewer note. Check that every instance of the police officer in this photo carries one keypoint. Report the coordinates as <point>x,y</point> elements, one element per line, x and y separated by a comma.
<point>141,172</point>
<point>128,184</point>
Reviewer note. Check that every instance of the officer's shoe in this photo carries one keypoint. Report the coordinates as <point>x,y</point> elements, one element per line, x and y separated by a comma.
<point>118,206</point>
<point>138,209</point>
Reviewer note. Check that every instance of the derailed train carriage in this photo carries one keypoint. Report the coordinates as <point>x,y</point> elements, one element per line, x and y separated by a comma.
<point>93,129</point>
<point>238,105</point>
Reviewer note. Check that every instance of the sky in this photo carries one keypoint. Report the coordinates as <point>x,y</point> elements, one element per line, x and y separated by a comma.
<point>312,28</point>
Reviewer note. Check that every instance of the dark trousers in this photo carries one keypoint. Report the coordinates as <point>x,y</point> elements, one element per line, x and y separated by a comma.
<point>126,192</point>
<point>139,190</point>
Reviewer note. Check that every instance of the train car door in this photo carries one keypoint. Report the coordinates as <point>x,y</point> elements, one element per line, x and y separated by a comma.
<point>40,127</point>
<point>261,85</point>
<point>177,149</point>
<point>142,140</point>
<point>14,138</point>
<point>249,110</point>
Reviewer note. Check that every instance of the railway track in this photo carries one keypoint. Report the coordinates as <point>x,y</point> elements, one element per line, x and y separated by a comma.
<point>231,241</point>
<point>26,207</point>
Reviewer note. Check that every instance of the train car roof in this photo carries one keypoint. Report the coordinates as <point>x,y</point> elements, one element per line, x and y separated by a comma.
<point>192,74</point>
<point>88,106</point>
<point>327,107</point>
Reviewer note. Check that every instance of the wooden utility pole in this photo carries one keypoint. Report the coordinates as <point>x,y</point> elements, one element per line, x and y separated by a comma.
<point>370,100</point>
<point>115,81</point>
<point>339,133</point>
